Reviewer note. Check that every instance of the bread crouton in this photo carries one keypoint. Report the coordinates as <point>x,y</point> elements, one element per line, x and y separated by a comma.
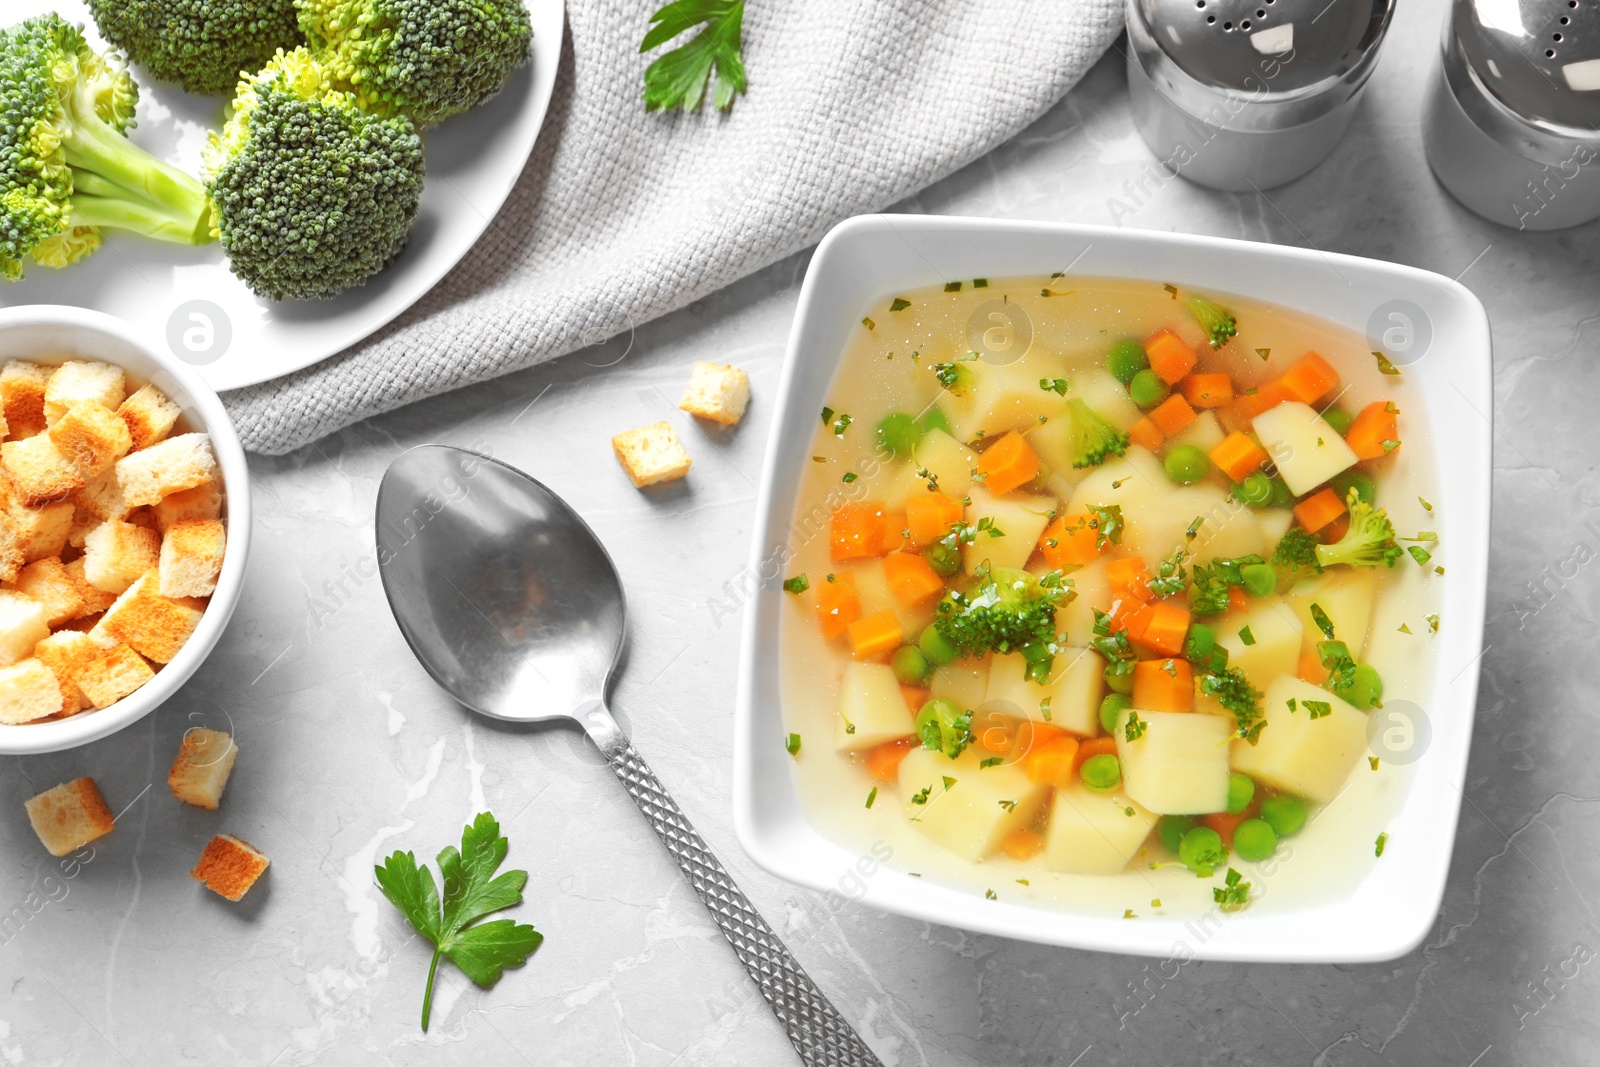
<point>200,772</point>
<point>39,471</point>
<point>112,674</point>
<point>22,625</point>
<point>95,600</point>
<point>191,558</point>
<point>69,816</point>
<point>48,582</point>
<point>651,454</point>
<point>28,691</point>
<point>175,464</point>
<point>717,392</point>
<point>42,531</point>
<point>229,866</point>
<point>68,654</point>
<point>204,501</point>
<point>92,437</point>
<point>80,381</point>
<point>116,553</point>
<point>102,497</point>
<point>22,397</point>
<point>149,416</point>
<point>154,625</point>
<point>11,550</point>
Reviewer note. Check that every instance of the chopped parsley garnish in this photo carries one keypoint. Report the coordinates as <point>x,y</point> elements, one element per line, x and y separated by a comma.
<point>849,476</point>
<point>1420,554</point>
<point>872,796</point>
<point>1009,805</point>
<point>1324,623</point>
<point>992,761</point>
<point>952,287</point>
<point>1106,520</point>
<point>1404,628</point>
<point>949,782</point>
<point>1433,623</point>
<point>1234,894</point>
<point>922,796</point>
<point>1426,506</point>
<point>1233,691</point>
<point>1246,637</point>
<point>1212,582</point>
<point>1058,386</point>
<point>827,415</point>
<point>1372,761</point>
<point>1134,729</point>
<point>1044,708</point>
<point>1317,709</point>
<point>841,424</point>
<point>678,78</point>
<point>1264,353</point>
<point>868,323</point>
<point>1384,366</point>
<point>900,303</point>
<point>980,283</point>
<point>989,894</point>
<point>797,585</point>
<point>1171,578</point>
<point>1383,840</point>
<point>791,744</point>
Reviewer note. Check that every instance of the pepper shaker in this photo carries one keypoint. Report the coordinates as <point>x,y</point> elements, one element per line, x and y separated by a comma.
<point>1249,94</point>
<point>1512,121</point>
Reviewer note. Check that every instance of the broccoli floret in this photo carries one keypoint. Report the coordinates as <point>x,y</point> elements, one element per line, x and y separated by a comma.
<point>313,195</point>
<point>66,167</point>
<point>1368,542</point>
<point>203,45</point>
<point>424,59</point>
<point>1093,438</point>
<point>1296,551</point>
<point>1007,611</point>
<point>1218,324</point>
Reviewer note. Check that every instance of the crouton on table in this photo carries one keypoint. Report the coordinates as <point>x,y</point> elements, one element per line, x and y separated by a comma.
<point>717,392</point>
<point>69,816</point>
<point>229,866</point>
<point>201,771</point>
<point>651,454</point>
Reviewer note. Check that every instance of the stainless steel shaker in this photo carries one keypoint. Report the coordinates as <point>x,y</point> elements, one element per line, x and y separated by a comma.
<point>1512,121</point>
<point>1242,94</point>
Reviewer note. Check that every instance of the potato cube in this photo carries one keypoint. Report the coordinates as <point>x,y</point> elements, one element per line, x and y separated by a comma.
<point>149,416</point>
<point>1305,449</point>
<point>116,553</point>
<point>154,625</point>
<point>28,691</point>
<point>201,771</point>
<point>229,866</point>
<point>69,816</point>
<point>191,558</point>
<point>175,464</point>
<point>973,813</point>
<point>113,674</point>
<point>22,387</point>
<point>40,473</point>
<point>1004,397</point>
<point>1345,596</point>
<point>1275,629</point>
<point>82,382</point>
<point>871,709</point>
<point>651,454</point>
<point>965,683</point>
<point>1072,691</point>
<point>717,392</point>
<point>946,460</point>
<point>1204,433</point>
<point>1299,754</point>
<point>1019,519</point>
<point>1094,833</point>
<point>1179,765</point>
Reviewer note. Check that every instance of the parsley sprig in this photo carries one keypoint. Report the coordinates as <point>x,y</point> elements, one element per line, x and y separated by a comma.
<point>678,79</point>
<point>471,890</point>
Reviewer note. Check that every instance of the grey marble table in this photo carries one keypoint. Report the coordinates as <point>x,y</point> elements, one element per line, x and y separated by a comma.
<point>349,751</point>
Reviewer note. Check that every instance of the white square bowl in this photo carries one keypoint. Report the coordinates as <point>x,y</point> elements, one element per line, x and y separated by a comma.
<point>870,257</point>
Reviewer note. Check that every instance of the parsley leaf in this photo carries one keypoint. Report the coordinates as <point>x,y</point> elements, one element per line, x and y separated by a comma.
<point>678,79</point>
<point>1235,894</point>
<point>471,891</point>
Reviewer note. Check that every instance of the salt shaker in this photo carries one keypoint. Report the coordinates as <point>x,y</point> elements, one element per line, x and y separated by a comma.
<point>1512,120</point>
<point>1249,94</point>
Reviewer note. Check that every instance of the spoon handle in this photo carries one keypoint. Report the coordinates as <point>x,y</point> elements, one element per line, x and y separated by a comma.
<point>819,1033</point>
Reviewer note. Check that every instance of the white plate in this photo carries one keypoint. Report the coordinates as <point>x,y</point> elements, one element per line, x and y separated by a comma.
<point>207,316</point>
<point>872,257</point>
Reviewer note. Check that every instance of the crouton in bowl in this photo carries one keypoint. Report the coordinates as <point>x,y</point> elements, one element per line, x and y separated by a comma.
<point>124,524</point>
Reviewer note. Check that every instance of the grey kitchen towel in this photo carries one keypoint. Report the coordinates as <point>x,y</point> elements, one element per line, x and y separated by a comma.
<point>623,215</point>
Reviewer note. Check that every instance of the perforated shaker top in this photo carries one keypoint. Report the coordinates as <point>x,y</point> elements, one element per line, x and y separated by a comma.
<point>1541,58</point>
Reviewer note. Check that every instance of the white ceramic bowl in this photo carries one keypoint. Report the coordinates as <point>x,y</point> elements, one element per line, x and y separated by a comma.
<point>866,259</point>
<point>53,334</point>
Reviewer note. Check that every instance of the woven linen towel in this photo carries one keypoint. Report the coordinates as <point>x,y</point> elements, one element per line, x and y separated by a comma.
<point>622,215</point>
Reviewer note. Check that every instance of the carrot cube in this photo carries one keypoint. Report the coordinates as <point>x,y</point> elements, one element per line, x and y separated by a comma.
<point>1172,414</point>
<point>915,696</point>
<point>1375,432</point>
<point>873,636</point>
<point>1310,378</point>
<point>1311,668</point>
<point>892,534</point>
<point>1069,541</point>
<point>1093,746</point>
<point>1053,761</point>
<point>1129,577</point>
<point>1144,434</point>
<point>1319,509</point>
<point>1022,844</point>
<point>929,517</point>
<point>1169,356</point>
<point>1207,390</point>
<point>1238,599</point>
<point>883,761</point>
<point>1166,628</point>
<point>912,579</point>
<point>856,531</point>
<point>1163,685</point>
<point>1242,410</point>
<point>1008,464</point>
<point>838,605</point>
<point>1238,456</point>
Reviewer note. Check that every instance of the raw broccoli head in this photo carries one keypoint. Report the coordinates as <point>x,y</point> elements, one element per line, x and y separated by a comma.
<point>203,45</point>
<point>1369,542</point>
<point>425,59</point>
<point>312,194</point>
<point>1218,324</point>
<point>66,168</point>
<point>1094,440</point>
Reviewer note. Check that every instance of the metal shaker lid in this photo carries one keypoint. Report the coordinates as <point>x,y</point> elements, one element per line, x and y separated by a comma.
<point>1540,58</point>
<point>1223,43</point>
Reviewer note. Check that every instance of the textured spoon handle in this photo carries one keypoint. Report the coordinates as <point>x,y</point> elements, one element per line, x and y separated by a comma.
<point>820,1034</point>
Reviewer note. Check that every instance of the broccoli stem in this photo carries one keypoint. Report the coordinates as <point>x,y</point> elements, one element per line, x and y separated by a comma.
<point>123,187</point>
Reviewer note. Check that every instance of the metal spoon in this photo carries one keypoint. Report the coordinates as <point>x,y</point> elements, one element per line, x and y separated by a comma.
<point>512,605</point>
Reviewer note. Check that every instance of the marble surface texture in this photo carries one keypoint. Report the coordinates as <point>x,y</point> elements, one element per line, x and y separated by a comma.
<point>350,751</point>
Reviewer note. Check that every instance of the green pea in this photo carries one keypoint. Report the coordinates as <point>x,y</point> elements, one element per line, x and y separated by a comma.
<point>1113,705</point>
<point>944,558</point>
<point>1241,790</point>
<point>1259,579</point>
<point>910,665</point>
<point>1201,642</point>
<point>1186,464</point>
<point>933,419</point>
<point>899,434</point>
<point>1284,813</point>
<point>1126,359</point>
<point>1118,682</point>
<point>1147,389</point>
<point>1339,419</point>
<point>1281,496</point>
<point>1364,689</point>
<point>934,648</point>
<point>1255,491</point>
<point>1366,489</point>
<point>1255,840</point>
<point>1202,851</point>
<point>1101,773</point>
<point>1171,829</point>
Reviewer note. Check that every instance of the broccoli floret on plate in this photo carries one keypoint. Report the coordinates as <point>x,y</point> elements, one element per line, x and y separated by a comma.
<point>67,170</point>
<point>205,46</point>
<point>312,194</point>
<point>425,59</point>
